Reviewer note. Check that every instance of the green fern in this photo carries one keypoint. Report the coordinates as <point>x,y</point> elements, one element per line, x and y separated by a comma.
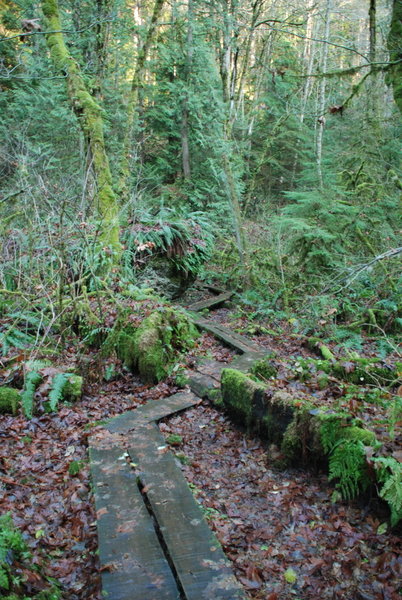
<point>347,462</point>
<point>394,415</point>
<point>56,393</point>
<point>32,380</point>
<point>390,474</point>
<point>331,430</point>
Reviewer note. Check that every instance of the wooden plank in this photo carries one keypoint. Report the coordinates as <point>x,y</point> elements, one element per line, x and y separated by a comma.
<point>133,564</point>
<point>210,302</point>
<point>202,384</point>
<point>246,361</point>
<point>153,410</point>
<point>200,564</point>
<point>234,340</point>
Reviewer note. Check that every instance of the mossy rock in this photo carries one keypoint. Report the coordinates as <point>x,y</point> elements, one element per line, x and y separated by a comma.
<point>155,346</point>
<point>9,400</point>
<point>215,396</point>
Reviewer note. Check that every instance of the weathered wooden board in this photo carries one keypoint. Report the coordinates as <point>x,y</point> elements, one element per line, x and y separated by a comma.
<point>232,339</point>
<point>153,410</point>
<point>210,302</point>
<point>246,361</point>
<point>198,559</point>
<point>202,384</point>
<point>133,564</point>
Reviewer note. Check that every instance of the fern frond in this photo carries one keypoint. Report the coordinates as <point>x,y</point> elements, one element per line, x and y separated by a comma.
<point>390,474</point>
<point>56,393</point>
<point>32,380</point>
<point>347,463</point>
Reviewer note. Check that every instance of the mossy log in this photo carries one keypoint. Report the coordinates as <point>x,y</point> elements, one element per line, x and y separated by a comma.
<point>294,425</point>
<point>360,371</point>
<point>155,346</point>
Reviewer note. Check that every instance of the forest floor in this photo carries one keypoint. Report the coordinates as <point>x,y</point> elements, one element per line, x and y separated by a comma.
<point>284,535</point>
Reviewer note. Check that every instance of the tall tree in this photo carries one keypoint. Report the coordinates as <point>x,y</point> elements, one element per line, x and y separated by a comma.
<point>321,92</point>
<point>395,52</point>
<point>89,114</point>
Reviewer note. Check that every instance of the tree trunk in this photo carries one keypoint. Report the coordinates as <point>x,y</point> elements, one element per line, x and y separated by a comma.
<point>321,95</point>
<point>89,114</point>
<point>132,105</point>
<point>185,145</point>
<point>395,52</point>
<point>374,91</point>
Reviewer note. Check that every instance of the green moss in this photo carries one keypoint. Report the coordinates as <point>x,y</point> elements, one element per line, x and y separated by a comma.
<point>238,392</point>
<point>155,346</point>
<point>359,434</point>
<point>359,370</point>
<point>9,400</point>
<point>264,369</point>
<point>72,390</point>
<point>174,439</point>
<point>215,396</point>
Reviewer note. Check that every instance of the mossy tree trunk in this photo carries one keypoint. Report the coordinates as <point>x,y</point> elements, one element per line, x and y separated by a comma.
<point>89,114</point>
<point>395,52</point>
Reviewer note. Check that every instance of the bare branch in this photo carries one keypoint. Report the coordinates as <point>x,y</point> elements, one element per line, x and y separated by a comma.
<point>350,277</point>
<point>320,40</point>
<point>68,31</point>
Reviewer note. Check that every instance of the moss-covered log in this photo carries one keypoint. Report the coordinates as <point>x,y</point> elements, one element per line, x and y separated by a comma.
<point>90,117</point>
<point>360,371</point>
<point>310,435</point>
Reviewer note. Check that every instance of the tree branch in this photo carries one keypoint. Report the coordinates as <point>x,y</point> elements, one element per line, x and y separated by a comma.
<point>69,31</point>
<point>350,277</point>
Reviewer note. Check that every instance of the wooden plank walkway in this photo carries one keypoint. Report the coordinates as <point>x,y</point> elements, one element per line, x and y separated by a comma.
<point>153,410</point>
<point>133,562</point>
<point>232,339</point>
<point>212,302</point>
<point>154,543</point>
<point>200,565</point>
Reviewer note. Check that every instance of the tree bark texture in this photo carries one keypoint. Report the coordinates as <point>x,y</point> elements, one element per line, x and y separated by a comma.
<point>395,52</point>
<point>90,117</point>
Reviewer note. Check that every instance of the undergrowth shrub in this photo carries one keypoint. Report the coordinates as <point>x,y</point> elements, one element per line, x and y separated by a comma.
<point>186,239</point>
<point>15,565</point>
<point>390,475</point>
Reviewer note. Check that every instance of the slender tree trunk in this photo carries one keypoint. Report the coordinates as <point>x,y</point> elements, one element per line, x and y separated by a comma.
<point>374,91</point>
<point>185,145</point>
<point>89,114</point>
<point>132,106</point>
<point>321,95</point>
<point>103,8</point>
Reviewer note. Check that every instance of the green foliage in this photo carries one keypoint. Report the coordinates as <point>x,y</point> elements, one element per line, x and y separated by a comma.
<point>347,463</point>
<point>394,414</point>
<point>75,467</point>
<point>186,238</point>
<point>9,400</point>
<point>14,554</point>
<point>390,475</point>
<point>32,380</point>
<point>59,382</point>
